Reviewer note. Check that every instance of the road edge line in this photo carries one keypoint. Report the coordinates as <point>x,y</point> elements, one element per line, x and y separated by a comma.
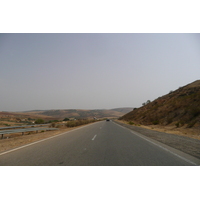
<point>165,147</point>
<point>26,145</point>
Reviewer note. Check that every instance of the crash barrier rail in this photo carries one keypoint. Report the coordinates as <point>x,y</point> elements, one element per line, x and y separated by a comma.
<point>24,130</point>
<point>13,127</point>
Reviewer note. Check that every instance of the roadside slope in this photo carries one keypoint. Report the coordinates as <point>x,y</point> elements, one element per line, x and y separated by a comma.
<point>180,108</point>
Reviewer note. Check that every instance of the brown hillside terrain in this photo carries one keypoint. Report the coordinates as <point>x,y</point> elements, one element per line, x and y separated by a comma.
<point>80,114</point>
<point>17,118</point>
<point>180,108</point>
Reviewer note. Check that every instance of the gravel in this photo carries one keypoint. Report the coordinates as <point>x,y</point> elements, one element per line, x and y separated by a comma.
<point>185,144</point>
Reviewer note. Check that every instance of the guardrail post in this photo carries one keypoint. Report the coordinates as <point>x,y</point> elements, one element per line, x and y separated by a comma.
<point>1,136</point>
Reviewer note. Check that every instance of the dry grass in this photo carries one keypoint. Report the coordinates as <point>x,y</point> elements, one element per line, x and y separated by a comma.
<point>79,122</point>
<point>192,132</point>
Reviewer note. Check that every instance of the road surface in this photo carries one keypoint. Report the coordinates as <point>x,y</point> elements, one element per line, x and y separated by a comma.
<point>99,144</point>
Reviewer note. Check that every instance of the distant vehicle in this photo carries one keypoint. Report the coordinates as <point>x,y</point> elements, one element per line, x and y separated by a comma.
<point>107,120</point>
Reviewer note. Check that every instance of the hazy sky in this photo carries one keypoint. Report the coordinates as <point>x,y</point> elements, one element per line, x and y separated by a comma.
<point>93,71</point>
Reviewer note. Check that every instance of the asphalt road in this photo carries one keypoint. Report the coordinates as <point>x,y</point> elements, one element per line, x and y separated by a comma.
<point>99,144</point>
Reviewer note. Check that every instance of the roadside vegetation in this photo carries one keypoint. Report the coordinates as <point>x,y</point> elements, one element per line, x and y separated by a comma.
<point>71,123</point>
<point>39,121</point>
<point>79,122</point>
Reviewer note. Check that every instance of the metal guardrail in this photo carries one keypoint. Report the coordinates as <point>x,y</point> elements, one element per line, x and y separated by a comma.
<point>13,127</point>
<point>24,130</point>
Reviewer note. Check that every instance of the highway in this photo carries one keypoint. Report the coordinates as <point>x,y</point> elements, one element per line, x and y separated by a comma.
<point>98,144</point>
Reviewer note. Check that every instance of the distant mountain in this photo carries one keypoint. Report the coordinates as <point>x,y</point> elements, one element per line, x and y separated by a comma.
<point>32,111</point>
<point>180,107</point>
<point>18,117</point>
<point>122,110</point>
<point>48,115</point>
<point>80,113</point>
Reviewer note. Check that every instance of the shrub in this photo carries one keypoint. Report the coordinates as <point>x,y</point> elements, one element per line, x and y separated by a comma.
<point>148,101</point>
<point>6,124</point>
<point>79,122</point>
<point>131,123</point>
<point>39,121</point>
<point>155,122</point>
<point>52,121</point>
<point>66,119</point>
<point>177,124</point>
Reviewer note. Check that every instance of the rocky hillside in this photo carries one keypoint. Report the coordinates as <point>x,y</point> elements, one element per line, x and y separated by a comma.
<point>179,108</point>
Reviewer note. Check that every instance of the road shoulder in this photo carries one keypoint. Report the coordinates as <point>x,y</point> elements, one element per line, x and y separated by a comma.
<point>19,140</point>
<point>185,144</point>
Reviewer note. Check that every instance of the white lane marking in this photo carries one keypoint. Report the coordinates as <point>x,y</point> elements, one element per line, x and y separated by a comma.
<point>165,149</point>
<point>43,140</point>
<point>94,137</point>
<point>147,139</point>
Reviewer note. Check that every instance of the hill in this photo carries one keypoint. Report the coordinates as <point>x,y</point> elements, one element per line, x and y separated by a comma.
<point>123,110</point>
<point>17,118</point>
<point>180,108</point>
<point>79,113</point>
